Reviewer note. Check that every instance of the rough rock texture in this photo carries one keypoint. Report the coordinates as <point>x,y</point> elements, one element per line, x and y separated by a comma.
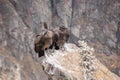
<point>13,69</point>
<point>76,63</point>
<point>95,21</point>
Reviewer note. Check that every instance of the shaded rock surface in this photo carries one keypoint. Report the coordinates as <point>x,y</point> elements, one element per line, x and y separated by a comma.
<point>94,21</point>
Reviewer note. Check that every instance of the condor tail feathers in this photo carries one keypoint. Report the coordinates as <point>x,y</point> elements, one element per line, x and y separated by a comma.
<point>45,25</point>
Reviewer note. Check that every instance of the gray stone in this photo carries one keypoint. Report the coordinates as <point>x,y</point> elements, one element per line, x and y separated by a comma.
<point>95,21</point>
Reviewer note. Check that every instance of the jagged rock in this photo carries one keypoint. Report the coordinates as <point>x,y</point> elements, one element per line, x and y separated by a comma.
<point>76,64</point>
<point>13,69</point>
<point>95,21</point>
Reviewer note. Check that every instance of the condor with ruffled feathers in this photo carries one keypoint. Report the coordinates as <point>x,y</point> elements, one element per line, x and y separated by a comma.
<point>43,42</point>
<point>61,36</point>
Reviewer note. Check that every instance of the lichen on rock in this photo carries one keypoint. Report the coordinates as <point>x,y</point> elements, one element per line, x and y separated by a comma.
<point>76,63</point>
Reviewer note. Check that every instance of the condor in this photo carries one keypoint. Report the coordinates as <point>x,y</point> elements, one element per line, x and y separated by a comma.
<point>61,36</point>
<point>43,42</point>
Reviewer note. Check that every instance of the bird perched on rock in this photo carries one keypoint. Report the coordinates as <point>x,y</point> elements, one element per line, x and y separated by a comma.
<point>38,43</point>
<point>43,42</point>
<point>61,36</point>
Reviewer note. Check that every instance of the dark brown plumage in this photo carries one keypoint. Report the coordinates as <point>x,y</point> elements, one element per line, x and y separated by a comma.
<point>45,25</point>
<point>51,38</point>
<point>61,36</point>
<point>43,42</point>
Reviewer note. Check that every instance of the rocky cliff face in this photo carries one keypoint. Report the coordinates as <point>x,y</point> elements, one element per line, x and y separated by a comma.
<point>94,21</point>
<point>76,63</point>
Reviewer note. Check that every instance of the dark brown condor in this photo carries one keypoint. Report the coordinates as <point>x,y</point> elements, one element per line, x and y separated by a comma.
<point>61,36</point>
<point>43,42</point>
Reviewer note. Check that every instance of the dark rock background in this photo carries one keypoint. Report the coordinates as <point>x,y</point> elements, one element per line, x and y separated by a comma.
<point>95,21</point>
